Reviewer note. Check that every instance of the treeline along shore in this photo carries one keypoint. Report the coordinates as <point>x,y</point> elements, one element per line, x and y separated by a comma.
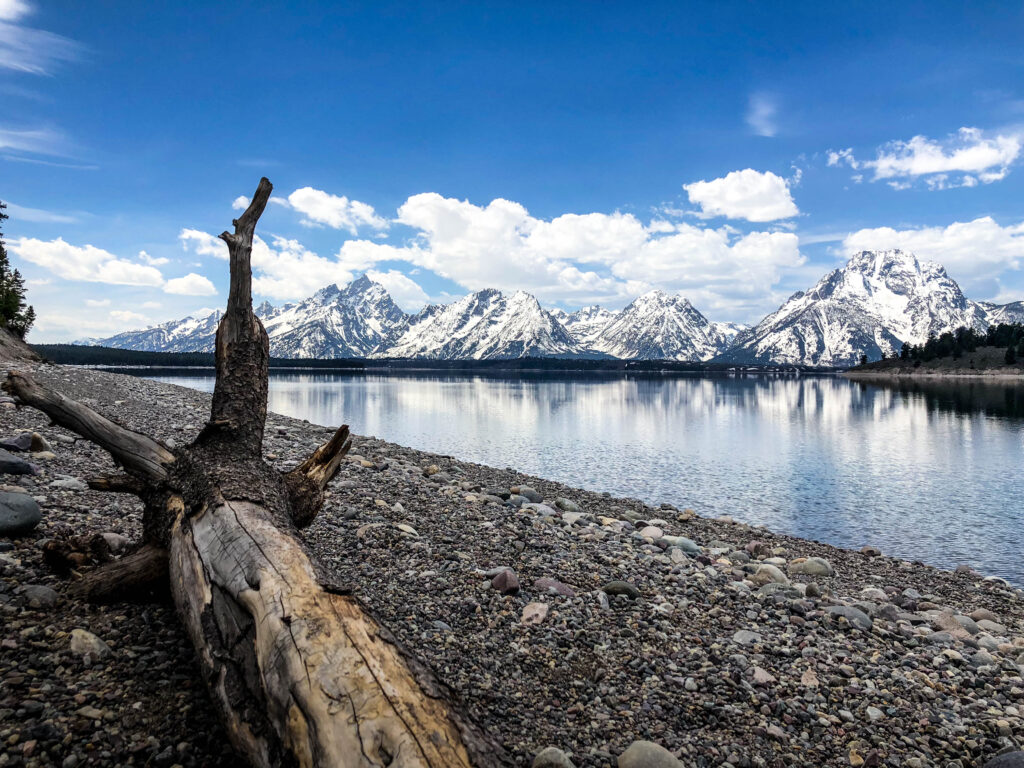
<point>601,629</point>
<point>73,354</point>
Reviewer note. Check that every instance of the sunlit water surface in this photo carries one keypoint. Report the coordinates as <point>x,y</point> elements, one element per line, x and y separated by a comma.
<point>929,472</point>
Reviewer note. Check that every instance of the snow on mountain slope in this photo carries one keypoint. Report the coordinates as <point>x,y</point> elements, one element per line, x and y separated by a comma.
<point>875,303</point>
<point>1002,313</point>
<point>659,325</point>
<point>484,325</point>
<point>586,324</point>
<point>336,322</point>
<point>190,334</point>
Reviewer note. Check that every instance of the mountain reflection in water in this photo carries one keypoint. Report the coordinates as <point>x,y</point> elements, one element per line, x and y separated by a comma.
<point>923,470</point>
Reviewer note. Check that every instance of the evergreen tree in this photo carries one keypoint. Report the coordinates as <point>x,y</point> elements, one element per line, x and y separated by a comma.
<point>1011,355</point>
<point>863,359</point>
<point>15,316</point>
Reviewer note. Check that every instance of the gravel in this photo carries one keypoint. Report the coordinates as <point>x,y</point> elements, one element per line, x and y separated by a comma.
<point>713,645</point>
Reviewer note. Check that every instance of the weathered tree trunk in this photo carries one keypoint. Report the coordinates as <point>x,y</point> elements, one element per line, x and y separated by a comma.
<point>301,674</point>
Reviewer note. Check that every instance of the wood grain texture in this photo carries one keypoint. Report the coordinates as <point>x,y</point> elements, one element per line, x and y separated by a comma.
<point>298,673</point>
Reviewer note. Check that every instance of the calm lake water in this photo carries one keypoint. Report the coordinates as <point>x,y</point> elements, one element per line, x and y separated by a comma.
<point>924,471</point>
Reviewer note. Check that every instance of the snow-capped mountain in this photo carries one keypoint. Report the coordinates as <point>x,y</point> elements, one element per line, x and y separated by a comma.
<point>586,324</point>
<point>1002,313</point>
<point>662,326</point>
<point>194,333</point>
<point>484,325</point>
<point>336,322</point>
<point>874,304</point>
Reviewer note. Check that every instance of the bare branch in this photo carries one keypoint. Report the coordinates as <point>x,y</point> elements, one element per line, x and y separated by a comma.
<point>307,481</point>
<point>117,484</point>
<point>135,451</point>
<point>135,576</point>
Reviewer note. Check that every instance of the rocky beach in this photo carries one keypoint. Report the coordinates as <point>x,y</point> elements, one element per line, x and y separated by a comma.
<point>579,628</point>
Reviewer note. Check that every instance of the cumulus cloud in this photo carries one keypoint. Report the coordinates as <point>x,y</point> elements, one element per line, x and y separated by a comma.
<point>86,263</point>
<point>190,285</point>
<point>282,269</point>
<point>406,292</point>
<point>321,208</point>
<point>964,159</point>
<point>761,114</point>
<point>971,250</point>
<point>746,194</point>
<point>573,258</point>
<point>240,203</point>
<point>127,317</point>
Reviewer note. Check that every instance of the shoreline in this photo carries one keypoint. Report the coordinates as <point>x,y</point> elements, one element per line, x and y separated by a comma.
<point>899,375</point>
<point>662,667</point>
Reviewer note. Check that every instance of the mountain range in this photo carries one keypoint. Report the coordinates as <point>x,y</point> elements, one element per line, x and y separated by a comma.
<point>871,305</point>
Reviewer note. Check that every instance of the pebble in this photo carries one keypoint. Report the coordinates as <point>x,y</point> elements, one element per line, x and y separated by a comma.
<point>534,613</point>
<point>647,754</point>
<point>85,643</point>
<point>39,596</point>
<point>812,566</point>
<point>13,465</point>
<point>552,757</point>
<point>551,586</point>
<point>567,505</point>
<point>621,588</point>
<point>506,582</point>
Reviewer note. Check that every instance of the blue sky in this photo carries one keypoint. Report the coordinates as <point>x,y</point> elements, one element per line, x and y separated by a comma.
<point>585,152</point>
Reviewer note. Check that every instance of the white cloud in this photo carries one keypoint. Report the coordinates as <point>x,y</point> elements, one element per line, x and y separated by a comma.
<point>203,244</point>
<point>127,317</point>
<point>321,208</point>
<point>971,250</point>
<point>240,203</point>
<point>97,302</point>
<point>12,10</point>
<point>964,159</point>
<point>86,263</point>
<point>190,285</point>
<point>573,258</point>
<point>153,261</point>
<point>41,141</point>
<point>746,194</point>
<point>761,113</point>
<point>407,293</point>
<point>38,215</point>
<point>29,50</point>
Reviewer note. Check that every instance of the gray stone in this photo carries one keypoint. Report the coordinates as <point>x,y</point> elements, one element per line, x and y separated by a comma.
<point>857,618</point>
<point>621,588</point>
<point>746,637</point>
<point>20,442</point>
<point>567,505</point>
<point>554,587</point>
<point>689,546</point>
<point>812,566</point>
<point>1007,760</point>
<point>85,643</point>
<point>70,484</point>
<point>647,754</point>
<point>766,574</point>
<point>506,582</point>
<point>19,513</point>
<point>12,465</point>
<point>552,757</point>
<point>39,596</point>
<point>535,497</point>
<point>874,713</point>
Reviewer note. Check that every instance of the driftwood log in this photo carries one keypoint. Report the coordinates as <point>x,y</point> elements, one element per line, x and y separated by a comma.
<point>301,673</point>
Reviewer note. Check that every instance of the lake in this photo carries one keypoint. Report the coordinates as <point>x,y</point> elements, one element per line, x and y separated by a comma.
<point>928,471</point>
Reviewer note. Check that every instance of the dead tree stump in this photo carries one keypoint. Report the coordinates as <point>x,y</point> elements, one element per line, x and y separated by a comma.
<point>300,674</point>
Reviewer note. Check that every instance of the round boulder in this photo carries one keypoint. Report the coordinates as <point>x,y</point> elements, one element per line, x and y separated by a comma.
<point>647,754</point>
<point>19,513</point>
<point>812,566</point>
<point>552,757</point>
